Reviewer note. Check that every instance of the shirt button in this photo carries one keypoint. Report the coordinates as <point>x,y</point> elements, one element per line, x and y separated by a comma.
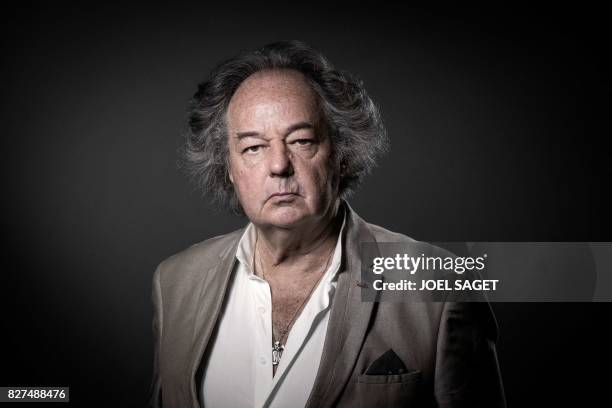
<point>262,360</point>
<point>262,309</point>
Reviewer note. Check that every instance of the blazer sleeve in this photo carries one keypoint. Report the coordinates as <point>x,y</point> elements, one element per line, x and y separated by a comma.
<point>155,400</point>
<point>467,371</point>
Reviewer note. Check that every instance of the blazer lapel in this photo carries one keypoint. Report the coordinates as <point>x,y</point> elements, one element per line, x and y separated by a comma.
<point>207,308</point>
<point>348,320</point>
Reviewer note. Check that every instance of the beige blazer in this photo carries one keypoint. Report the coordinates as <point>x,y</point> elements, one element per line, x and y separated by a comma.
<point>447,348</point>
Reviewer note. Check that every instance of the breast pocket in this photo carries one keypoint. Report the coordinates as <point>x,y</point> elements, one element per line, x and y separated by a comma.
<point>397,390</point>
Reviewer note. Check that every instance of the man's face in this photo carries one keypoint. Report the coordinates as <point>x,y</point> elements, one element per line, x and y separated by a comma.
<point>279,152</point>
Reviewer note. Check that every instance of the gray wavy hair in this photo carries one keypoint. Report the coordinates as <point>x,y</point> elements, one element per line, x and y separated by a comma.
<point>354,123</point>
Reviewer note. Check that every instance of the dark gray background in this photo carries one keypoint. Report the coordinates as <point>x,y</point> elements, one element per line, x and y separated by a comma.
<point>497,119</point>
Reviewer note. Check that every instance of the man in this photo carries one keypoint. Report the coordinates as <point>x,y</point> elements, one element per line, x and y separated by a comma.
<point>271,315</point>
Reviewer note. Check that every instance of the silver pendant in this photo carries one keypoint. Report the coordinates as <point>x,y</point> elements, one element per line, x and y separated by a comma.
<point>277,352</point>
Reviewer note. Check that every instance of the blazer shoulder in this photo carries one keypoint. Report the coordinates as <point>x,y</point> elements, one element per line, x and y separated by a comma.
<point>198,257</point>
<point>383,235</point>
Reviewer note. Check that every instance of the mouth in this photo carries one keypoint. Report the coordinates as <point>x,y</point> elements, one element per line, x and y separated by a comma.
<point>283,194</point>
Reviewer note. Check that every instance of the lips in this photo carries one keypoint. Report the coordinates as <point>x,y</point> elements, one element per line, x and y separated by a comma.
<point>283,194</point>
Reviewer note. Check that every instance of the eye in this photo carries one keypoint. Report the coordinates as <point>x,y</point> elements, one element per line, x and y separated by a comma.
<point>252,149</point>
<point>304,142</point>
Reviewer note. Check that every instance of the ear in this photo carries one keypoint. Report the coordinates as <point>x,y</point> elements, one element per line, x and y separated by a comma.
<point>229,176</point>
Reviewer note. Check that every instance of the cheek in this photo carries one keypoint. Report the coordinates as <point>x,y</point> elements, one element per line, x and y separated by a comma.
<point>241,181</point>
<point>320,182</point>
<point>247,185</point>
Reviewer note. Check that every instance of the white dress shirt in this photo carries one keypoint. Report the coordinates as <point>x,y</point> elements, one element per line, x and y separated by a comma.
<point>239,367</point>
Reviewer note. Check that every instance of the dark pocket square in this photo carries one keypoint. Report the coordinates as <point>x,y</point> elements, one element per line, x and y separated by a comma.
<point>387,364</point>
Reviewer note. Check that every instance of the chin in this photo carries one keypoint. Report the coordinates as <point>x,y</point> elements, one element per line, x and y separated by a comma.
<point>286,217</point>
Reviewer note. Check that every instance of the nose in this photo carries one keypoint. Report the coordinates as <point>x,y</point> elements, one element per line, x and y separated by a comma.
<point>280,161</point>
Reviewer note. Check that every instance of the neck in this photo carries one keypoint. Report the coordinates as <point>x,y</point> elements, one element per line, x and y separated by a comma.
<point>298,248</point>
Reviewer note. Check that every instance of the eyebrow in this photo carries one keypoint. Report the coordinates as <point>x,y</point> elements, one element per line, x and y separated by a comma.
<point>289,130</point>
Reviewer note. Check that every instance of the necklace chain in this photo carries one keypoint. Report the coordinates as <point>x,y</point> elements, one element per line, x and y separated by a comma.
<point>277,345</point>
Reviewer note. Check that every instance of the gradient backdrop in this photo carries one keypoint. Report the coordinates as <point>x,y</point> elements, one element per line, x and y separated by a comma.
<point>498,120</point>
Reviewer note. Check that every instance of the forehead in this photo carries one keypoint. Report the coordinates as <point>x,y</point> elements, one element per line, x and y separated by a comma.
<point>273,95</point>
